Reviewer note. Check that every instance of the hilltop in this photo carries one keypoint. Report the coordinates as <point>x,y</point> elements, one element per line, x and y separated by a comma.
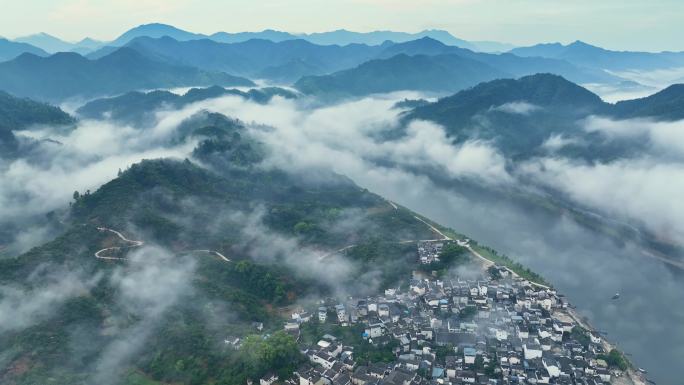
<point>543,106</point>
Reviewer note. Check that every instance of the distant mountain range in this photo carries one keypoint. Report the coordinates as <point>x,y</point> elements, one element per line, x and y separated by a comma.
<point>289,60</point>
<point>10,50</point>
<point>67,75</point>
<point>338,37</point>
<point>253,57</point>
<point>163,56</point>
<point>577,53</point>
<point>441,73</point>
<point>352,70</point>
<point>52,44</point>
<point>586,55</point>
<point>439,68</point>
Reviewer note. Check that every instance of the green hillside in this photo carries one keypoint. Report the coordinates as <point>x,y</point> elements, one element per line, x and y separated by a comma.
<point>178,208</point>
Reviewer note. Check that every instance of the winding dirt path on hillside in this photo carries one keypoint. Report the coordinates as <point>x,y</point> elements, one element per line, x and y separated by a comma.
<point>134,244</point>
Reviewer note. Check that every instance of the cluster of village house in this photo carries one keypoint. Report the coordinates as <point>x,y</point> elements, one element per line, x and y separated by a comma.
<point>488,331</point>
<point>428,252</point>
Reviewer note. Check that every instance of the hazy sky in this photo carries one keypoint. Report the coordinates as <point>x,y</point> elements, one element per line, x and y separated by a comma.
<point>619,24</point>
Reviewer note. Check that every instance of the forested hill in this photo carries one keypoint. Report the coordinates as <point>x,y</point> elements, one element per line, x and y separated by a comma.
<point>19,113</point>
<point>520,115</point>
<point>272,226</point>
<point>140,107</point>
<point>667,104</point>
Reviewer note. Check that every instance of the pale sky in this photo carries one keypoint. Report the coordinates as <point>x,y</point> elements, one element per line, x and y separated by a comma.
<point>618,24</point>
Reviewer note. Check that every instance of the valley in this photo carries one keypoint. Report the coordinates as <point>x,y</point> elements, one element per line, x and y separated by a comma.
<point>338,208</point>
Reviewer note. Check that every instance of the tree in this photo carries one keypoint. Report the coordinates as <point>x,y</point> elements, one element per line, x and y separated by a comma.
<point>279,353</point>
<point>76,195</point>
<point>615,359</point>
<point>453,254</point>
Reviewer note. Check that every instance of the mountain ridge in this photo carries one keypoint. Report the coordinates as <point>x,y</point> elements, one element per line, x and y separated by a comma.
<point>10,50</point>
<point>588,55</point>
<point>442,73</point>
<point>67,75</point>
<point>543,106</point>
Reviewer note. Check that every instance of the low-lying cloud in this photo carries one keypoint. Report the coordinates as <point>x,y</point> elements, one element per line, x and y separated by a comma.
<point>352,139</point>
<point>518,108</point>
<point>44,291</point>
<point>642,189</point>
<point>327,267</point>
<point>83,159</point>
<point>152,281</point>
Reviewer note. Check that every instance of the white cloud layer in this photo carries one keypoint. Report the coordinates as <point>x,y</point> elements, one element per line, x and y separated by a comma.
<point>48,288</point>
<point>84,159</point>
<point>518,108</point>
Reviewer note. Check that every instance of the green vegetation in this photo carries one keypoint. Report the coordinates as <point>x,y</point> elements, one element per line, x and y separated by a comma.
<point>137,378</point>
<point>182,207</point>
<point>179,206</point>
<point>451,255</point>
<point>468,312</point>
<point>615,359</point>
<point>18,113</point>
<point>278,353</point>
<point>494,273</point>
<point>581,335</point>
<point>410,103</point>
<point>395,260</point>
<point>667,104</point>
<point>562,103</point>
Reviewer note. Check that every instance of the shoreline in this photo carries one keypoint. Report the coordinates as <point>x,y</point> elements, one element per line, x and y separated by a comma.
<point>631,373</point>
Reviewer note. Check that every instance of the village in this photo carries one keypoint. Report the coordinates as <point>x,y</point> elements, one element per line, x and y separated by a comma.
<point>494,329</point>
